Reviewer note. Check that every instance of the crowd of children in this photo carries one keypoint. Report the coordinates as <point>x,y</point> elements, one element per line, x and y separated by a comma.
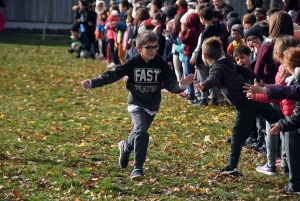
<point>192,39</point>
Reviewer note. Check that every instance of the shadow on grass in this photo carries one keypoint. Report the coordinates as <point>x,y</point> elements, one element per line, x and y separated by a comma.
<point>8,37</point>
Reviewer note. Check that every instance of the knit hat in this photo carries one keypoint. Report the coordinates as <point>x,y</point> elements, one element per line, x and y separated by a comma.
<point>85,2</point>
<point>113,16</point>
<point>183,18</point>
<point>74,27</point>
<point>171,12</point>
<point>233,20</point>
<point>237,27</point>
<point>254,31</point>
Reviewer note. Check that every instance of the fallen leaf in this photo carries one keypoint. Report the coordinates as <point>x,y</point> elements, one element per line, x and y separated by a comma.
<point>17,193</point>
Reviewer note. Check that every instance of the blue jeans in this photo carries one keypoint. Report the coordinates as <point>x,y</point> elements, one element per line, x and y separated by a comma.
<point>138,139</point>
<point>189,69</point>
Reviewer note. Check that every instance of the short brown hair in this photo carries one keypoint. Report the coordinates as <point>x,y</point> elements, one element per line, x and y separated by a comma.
<point>212,47</point>
<point>249,18</point>
<point>145,37</point>
<point>206,13</point>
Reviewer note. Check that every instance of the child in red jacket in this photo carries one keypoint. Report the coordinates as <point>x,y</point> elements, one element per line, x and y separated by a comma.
<point>190,31</point>
<point>287,106</point>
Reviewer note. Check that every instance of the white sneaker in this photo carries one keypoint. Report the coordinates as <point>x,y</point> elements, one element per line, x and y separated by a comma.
<point>111,65</point>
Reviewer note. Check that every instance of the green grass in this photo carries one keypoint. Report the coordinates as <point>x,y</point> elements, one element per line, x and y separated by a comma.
<point>59,142</point>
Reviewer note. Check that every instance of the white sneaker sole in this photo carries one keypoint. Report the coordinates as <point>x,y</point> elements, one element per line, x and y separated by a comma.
<point>265,172</point>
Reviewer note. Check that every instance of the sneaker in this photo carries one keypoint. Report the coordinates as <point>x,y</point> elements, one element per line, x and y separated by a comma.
<point>124,157</point>
<point>70,50</point>
<point>229,171</point>
<point>288,189</point>
<point>111,65</point>
<point>267,170</point>
<point>195,102</point>
<point>258,147</point>
<point>204,102</point>
<point>284,170</point>
<point>214,101</point>
<point>251,141</point>
<point>137,175</point>
<point>189,97</point>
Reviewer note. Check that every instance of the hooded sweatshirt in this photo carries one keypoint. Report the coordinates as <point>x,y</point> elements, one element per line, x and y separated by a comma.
<point>229,78</point>
<point>189,37</point>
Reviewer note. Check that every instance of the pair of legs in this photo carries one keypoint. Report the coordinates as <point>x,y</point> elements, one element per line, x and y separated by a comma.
<point>245,115</point>
<point>80,53</point>
<point>138,141</point>
<point>189,69</point>
<point>292,149</point>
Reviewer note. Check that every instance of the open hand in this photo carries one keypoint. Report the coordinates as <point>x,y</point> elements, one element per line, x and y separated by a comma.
<point>198,86</point>
<point>86,84</point>
<point>275,129</point>
<point>254,89</point>
<point>188,80</point>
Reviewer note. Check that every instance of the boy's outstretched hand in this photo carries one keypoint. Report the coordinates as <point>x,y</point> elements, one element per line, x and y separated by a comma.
<point>86,84</point>
<point>188,80</point>
<point>198,86</point>
<point>254,89</point>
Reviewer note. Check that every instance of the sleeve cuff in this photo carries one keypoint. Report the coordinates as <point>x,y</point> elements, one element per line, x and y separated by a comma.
<point>183,87</point>
<point>264,90</point>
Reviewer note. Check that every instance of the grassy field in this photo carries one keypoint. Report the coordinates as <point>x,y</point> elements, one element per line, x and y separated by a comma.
<point>59,142</point>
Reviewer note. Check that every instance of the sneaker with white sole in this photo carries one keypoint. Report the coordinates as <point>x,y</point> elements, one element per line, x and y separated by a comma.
<point>137,175</point>
<point>267,170</point>
<point>229,171</point>
<point>111,65</point>
<point>124,157</point>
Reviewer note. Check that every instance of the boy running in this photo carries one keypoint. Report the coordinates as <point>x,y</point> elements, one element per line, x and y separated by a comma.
<point>146,72</point>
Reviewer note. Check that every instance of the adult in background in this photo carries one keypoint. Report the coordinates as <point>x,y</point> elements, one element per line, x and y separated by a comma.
<point>221,4</point>
<point>255,7</point>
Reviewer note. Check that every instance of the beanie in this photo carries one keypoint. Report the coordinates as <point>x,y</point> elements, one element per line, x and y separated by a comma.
<point>113,16</point>
<point>74,27</point>
<point>233,20</point>
<point>255,31</point>
<point>171,12</point>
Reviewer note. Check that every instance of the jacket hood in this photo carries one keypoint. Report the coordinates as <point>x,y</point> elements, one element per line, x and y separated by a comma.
<point>97,4</point>
<point>225,61</point>
<point>193,21</point>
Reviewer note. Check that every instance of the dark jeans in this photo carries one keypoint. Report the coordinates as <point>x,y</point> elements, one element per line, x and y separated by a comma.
<point>292,149</point>
<point>245,115</point>
<point>189,69</point>
<point>139,138</point>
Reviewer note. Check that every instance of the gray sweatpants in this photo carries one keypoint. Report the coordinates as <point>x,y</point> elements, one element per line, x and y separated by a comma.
<point>272,143</point>
<point>200,76</point>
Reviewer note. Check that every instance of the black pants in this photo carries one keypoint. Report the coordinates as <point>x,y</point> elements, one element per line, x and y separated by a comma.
<point>245,116</point>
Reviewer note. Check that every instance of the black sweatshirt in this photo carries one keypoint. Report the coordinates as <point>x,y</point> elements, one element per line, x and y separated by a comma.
<point>229,79</point>
<point>144,80</point>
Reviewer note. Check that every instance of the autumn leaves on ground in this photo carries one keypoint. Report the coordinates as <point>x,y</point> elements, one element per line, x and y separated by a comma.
<point>59,142</point>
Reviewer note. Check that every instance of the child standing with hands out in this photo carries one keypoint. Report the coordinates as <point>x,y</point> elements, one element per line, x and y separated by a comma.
<point>230,79</point>
<point>146,72</point>
<point>290,124</point>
